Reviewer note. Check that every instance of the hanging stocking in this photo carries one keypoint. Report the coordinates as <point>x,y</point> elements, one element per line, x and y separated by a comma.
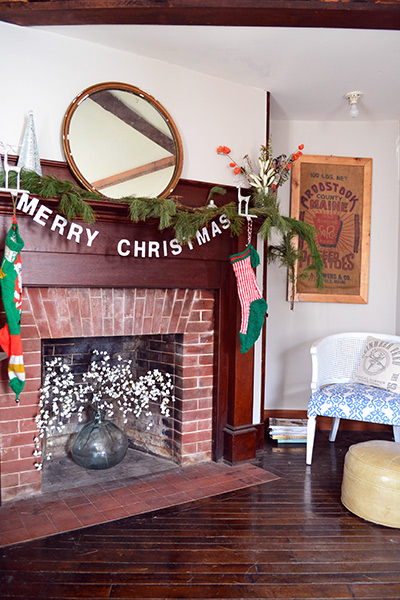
<point>252,303</point>
<point>11,291</point>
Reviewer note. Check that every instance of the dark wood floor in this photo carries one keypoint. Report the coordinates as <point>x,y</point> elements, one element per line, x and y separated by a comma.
<point>290,538</point>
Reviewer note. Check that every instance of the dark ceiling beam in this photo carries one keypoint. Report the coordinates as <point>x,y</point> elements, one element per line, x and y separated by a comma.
<point>357,14</point>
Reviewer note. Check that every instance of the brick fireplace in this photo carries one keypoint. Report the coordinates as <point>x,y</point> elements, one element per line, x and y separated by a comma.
<point>75,290</point>
<point>75,312</point>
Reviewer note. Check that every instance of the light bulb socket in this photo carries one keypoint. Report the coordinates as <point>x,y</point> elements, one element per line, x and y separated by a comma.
<point>353,98</point>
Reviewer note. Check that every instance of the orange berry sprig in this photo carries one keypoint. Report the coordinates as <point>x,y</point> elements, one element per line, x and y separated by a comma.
<point>233,164</point>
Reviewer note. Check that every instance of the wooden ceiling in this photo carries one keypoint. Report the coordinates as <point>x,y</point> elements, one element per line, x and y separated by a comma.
<point>357,14</point>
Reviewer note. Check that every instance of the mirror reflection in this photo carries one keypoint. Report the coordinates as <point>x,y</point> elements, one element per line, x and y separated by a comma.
<point>120,142</point>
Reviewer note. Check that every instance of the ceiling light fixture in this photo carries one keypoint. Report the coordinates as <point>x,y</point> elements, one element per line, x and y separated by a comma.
<point>353,97</point>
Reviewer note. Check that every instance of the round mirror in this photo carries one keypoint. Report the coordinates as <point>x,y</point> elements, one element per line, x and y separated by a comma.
<point>120,142</point>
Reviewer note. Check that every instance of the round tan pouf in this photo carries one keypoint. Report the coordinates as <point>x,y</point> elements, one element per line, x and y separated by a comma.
<point>371,482</point>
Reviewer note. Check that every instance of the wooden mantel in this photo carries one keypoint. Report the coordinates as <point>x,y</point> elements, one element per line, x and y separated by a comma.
<point>51,260</point>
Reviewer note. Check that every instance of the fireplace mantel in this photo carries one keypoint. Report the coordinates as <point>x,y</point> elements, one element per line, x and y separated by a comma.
<point>51,260</point>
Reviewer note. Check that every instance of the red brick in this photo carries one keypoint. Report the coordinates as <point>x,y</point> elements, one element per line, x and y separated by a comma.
<point>158,305</point>
<point>27,451</point>
<point>21,491</point>
<point>164,327</point>
<point>196,436</point>
<point>129,295</point>
<point>95,292</point>
<point>182,324</point>
<point>187,304</point>
<point>205,382</point>
<point>195,316</point>
<point>30,477</point>
<point>32,358</point>
<point>206,359</point>
<point>207,315</point>
<point>198,349</point>
<point>147,325</point>
<point>28,425</point>
<point>17,466</point>
<point>33,372</point>
<point>198,371</point>
<point>188,427</point>
<point>16,439</point>
<point>28,332</point>
<point>75,312</point>
<point>192,338</point>
<point>9,427</point>
<point>9,454</point>
<point>87,327</point>
<point>168,303</point>
<point>138,315</point>
<point>31,385</point>
<point>118,312</point>
<point>203,304</point>
<point>108,326</point>
<point>84,303</point>
<point>32,345</point>
<point>28,398</point>
<point>184,405</point>
<point>198,327</point>
<point>188,360</point>
<point>18,411</point>
<point>187,383</point>
<point>150,300</point>
<point>207,294</point>
<point>197,393</point>
<point>189,449</point>
<point>96,313</point>
<point>128,325</point>
<point>9,480</point>
<point>206,402</point>
<point>193,415</point>
<point>107,298</point>
<point>35,296</point>
<point>203,446</point>
<point>205,424</point>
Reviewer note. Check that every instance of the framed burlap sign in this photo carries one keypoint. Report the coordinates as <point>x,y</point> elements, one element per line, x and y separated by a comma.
<point>333,193</point>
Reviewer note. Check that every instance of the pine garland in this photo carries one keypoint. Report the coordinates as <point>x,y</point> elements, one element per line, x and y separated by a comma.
<point>186,221</point>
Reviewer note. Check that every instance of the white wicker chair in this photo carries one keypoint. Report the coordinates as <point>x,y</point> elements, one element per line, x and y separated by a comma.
<point>335,361</point>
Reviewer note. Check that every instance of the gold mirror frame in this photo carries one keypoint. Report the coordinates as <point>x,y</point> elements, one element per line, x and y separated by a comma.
<point>120,142</point>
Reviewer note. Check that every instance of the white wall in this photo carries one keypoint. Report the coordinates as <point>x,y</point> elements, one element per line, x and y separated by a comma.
<point>44,72</point>
<point>290,334</point>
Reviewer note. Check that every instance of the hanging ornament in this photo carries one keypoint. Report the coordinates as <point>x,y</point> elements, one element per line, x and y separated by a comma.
<point>29,155</point>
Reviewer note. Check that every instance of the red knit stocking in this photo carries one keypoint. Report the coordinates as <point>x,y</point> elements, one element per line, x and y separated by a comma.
<point>252,303</point>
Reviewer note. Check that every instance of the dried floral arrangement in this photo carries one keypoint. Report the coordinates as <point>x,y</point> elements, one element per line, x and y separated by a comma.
<point>263,181</point>
<point>107,387</point>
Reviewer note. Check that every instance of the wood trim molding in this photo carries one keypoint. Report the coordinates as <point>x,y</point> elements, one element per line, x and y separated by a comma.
<point>368,14</point>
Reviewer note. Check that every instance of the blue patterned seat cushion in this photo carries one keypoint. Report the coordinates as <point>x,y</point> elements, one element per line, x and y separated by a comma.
<point>357,402</point>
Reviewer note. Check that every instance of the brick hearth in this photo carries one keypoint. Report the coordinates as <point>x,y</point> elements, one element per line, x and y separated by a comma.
<point>79,312</point>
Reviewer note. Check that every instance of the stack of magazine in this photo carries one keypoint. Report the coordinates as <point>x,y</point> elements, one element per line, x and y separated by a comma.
<point>288,430</point>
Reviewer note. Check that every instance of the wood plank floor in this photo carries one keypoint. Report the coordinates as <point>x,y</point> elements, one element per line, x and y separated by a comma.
<point>287,539</point>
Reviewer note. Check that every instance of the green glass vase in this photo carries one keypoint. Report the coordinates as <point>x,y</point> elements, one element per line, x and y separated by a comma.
<point>99,445</point>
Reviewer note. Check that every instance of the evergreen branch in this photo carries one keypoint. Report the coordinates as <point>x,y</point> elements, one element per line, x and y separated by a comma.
<point>307,232</point>
<point>72,203</point>
<point>215,190</point>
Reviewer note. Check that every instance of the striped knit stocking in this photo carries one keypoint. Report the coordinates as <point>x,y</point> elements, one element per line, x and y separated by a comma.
<point>11,291</point>
<point>252,303</point>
